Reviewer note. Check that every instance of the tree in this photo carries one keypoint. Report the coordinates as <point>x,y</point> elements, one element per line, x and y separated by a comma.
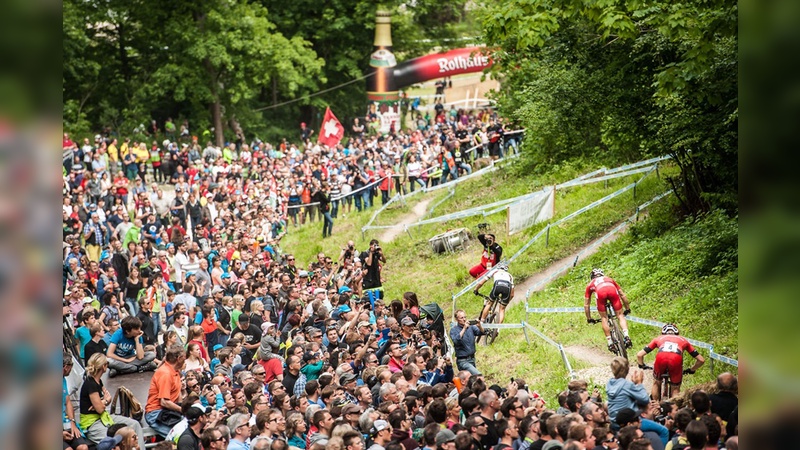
<point>623,79</point>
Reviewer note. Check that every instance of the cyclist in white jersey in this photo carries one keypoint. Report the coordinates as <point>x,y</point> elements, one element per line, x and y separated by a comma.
<point>502,291</point>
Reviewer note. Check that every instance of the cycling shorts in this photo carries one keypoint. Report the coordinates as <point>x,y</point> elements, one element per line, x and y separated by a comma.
<point>671,363</point>
<point>612,297</point>
<point>501,288</point>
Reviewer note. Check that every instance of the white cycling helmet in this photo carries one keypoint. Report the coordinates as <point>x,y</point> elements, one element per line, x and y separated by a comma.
<point>596,273</point>
<point>503,266</point>
<point>670,328</point>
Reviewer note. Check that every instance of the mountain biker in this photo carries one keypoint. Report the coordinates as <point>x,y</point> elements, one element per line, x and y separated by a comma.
<point>492,252</point>
<point>607,289</point>
<point>502,290</point>
<point>669,359</point>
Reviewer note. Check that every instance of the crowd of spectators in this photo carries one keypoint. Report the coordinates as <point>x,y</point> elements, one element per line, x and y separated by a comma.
<point>251,349</point>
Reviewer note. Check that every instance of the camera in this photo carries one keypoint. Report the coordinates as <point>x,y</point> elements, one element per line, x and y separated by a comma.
<point>662,419</point>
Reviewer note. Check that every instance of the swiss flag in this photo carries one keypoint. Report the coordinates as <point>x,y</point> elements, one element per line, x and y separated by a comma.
<point>332,131</point>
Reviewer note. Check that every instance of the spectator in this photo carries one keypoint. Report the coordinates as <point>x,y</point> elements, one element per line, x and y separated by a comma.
<point>623,393</point>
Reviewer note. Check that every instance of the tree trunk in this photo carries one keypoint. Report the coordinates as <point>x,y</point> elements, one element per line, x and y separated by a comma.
<point>216,118</point>
<point>123,54</point>
<point>274,90</point>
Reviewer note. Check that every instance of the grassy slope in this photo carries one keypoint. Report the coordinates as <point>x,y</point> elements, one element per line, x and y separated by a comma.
<point>686,275</point>
<point>672,265</point>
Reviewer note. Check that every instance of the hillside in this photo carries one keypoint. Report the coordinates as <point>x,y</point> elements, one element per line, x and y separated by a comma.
<point>692,264</point>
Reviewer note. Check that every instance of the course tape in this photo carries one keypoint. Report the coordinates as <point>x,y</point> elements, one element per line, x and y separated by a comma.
<point>595,244</point>
<point>503,326</point>
<point>640,320</point>
<point>334,199</point>
<point>586,181</point>
<point>639,164</point>
<point>449,195</point>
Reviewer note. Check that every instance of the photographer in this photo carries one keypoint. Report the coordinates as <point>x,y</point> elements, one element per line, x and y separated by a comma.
<point>372,260</point>
<point>347,254</point>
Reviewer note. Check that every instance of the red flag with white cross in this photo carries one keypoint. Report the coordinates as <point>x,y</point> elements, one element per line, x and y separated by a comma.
<point>332,130</point>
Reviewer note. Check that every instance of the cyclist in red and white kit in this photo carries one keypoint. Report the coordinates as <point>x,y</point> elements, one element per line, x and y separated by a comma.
<point>606,288</point>
<point>669,359</point>
<point>492,252</point>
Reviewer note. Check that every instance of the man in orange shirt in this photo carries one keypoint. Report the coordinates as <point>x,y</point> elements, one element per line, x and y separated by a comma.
<point>165,392</point>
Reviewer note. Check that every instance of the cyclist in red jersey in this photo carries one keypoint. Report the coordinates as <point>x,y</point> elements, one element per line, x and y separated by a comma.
<point>669,359</point>
<point>606,288</point>
<point>492,252</point>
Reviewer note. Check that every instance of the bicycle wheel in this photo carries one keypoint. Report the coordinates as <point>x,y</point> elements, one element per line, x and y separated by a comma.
<point>619,342</point>
<point>491,335</point>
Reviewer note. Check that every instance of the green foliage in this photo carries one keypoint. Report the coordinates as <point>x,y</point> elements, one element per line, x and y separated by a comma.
<point>220,63</point>
<point>622,80</point>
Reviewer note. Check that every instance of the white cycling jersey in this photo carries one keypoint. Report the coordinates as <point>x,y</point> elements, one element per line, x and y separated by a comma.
<point>502,275</point>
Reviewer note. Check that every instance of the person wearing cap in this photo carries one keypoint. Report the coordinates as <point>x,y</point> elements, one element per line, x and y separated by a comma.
<point>351,414</point>
<point>381,433</point>
<point>348,381</point>
<point>445,440</point>
<point>197,418</point>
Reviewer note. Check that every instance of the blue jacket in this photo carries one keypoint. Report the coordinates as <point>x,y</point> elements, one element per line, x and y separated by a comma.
<point>623,393</point>
<point>660,430</point>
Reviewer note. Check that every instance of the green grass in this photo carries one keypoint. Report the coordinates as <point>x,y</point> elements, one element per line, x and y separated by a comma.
<point>669,273</point>
<point>686,274</point>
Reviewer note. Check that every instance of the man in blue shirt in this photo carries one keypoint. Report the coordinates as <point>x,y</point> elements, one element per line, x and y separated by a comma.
<point>126,352</point>
<point>463,336</point>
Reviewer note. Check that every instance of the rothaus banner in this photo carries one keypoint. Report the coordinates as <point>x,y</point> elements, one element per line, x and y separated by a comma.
<point>387,77</point>
<point>530,211</point>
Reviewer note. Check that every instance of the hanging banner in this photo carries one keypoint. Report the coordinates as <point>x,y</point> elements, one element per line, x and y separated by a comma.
<point>526,213</point>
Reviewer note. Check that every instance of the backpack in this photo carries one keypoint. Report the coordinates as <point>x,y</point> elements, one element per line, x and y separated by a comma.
<point>129,406</point>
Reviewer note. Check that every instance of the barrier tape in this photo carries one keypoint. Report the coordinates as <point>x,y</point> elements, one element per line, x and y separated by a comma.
<point>447,197</point>
<point>542,335</point>
<point>502,326</point>
<point>575,183</point>
<point>639,163</point>
<point>640,320</point>
<point>375,214</point>
<point>335,199</point>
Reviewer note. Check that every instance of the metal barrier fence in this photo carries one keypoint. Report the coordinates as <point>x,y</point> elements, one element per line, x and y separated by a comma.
<point>525,324</point>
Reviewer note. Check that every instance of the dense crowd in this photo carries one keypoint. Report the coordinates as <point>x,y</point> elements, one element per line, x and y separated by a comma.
<point>251,349</point>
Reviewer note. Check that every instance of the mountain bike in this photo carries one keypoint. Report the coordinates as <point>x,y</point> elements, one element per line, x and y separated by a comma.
<point>665,384</point>
<point>617,338</point>
<point>491,316</point>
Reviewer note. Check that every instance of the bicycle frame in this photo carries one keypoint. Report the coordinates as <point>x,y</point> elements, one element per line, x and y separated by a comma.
<point>615,332</point>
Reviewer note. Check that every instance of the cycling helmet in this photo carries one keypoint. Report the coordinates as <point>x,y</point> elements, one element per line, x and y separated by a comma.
<point>503,266</point>
<point>596,273</point>
<point>669,328</point>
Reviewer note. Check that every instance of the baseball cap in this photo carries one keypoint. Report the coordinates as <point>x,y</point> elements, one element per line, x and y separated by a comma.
<point>380,425</point>
<point>189,274</point>
<point>346,377</point>
<point>363,323</point>
<point>217,289</point>
<point>407,321</point>
<point>344,309</point>
<point>217,347</point>
<point>196,411</point>
<point>626,416</point>
<point>87,300</point>
<point>108,443</point>
<point>308,356</point>
<point>444,436</point>
<point>344,289</point>
<point>302,274</point>
<point>266,326</point>
<point>225,275</point>
<point>350,409</point>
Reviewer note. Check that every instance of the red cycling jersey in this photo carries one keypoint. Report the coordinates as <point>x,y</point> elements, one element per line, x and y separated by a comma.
<point>670,356</point>
<point>605,288</point>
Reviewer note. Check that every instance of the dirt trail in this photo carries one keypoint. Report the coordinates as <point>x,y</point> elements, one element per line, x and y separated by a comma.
<point>416,213</point>
<point>554,268</point>
<point>600,360</point>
